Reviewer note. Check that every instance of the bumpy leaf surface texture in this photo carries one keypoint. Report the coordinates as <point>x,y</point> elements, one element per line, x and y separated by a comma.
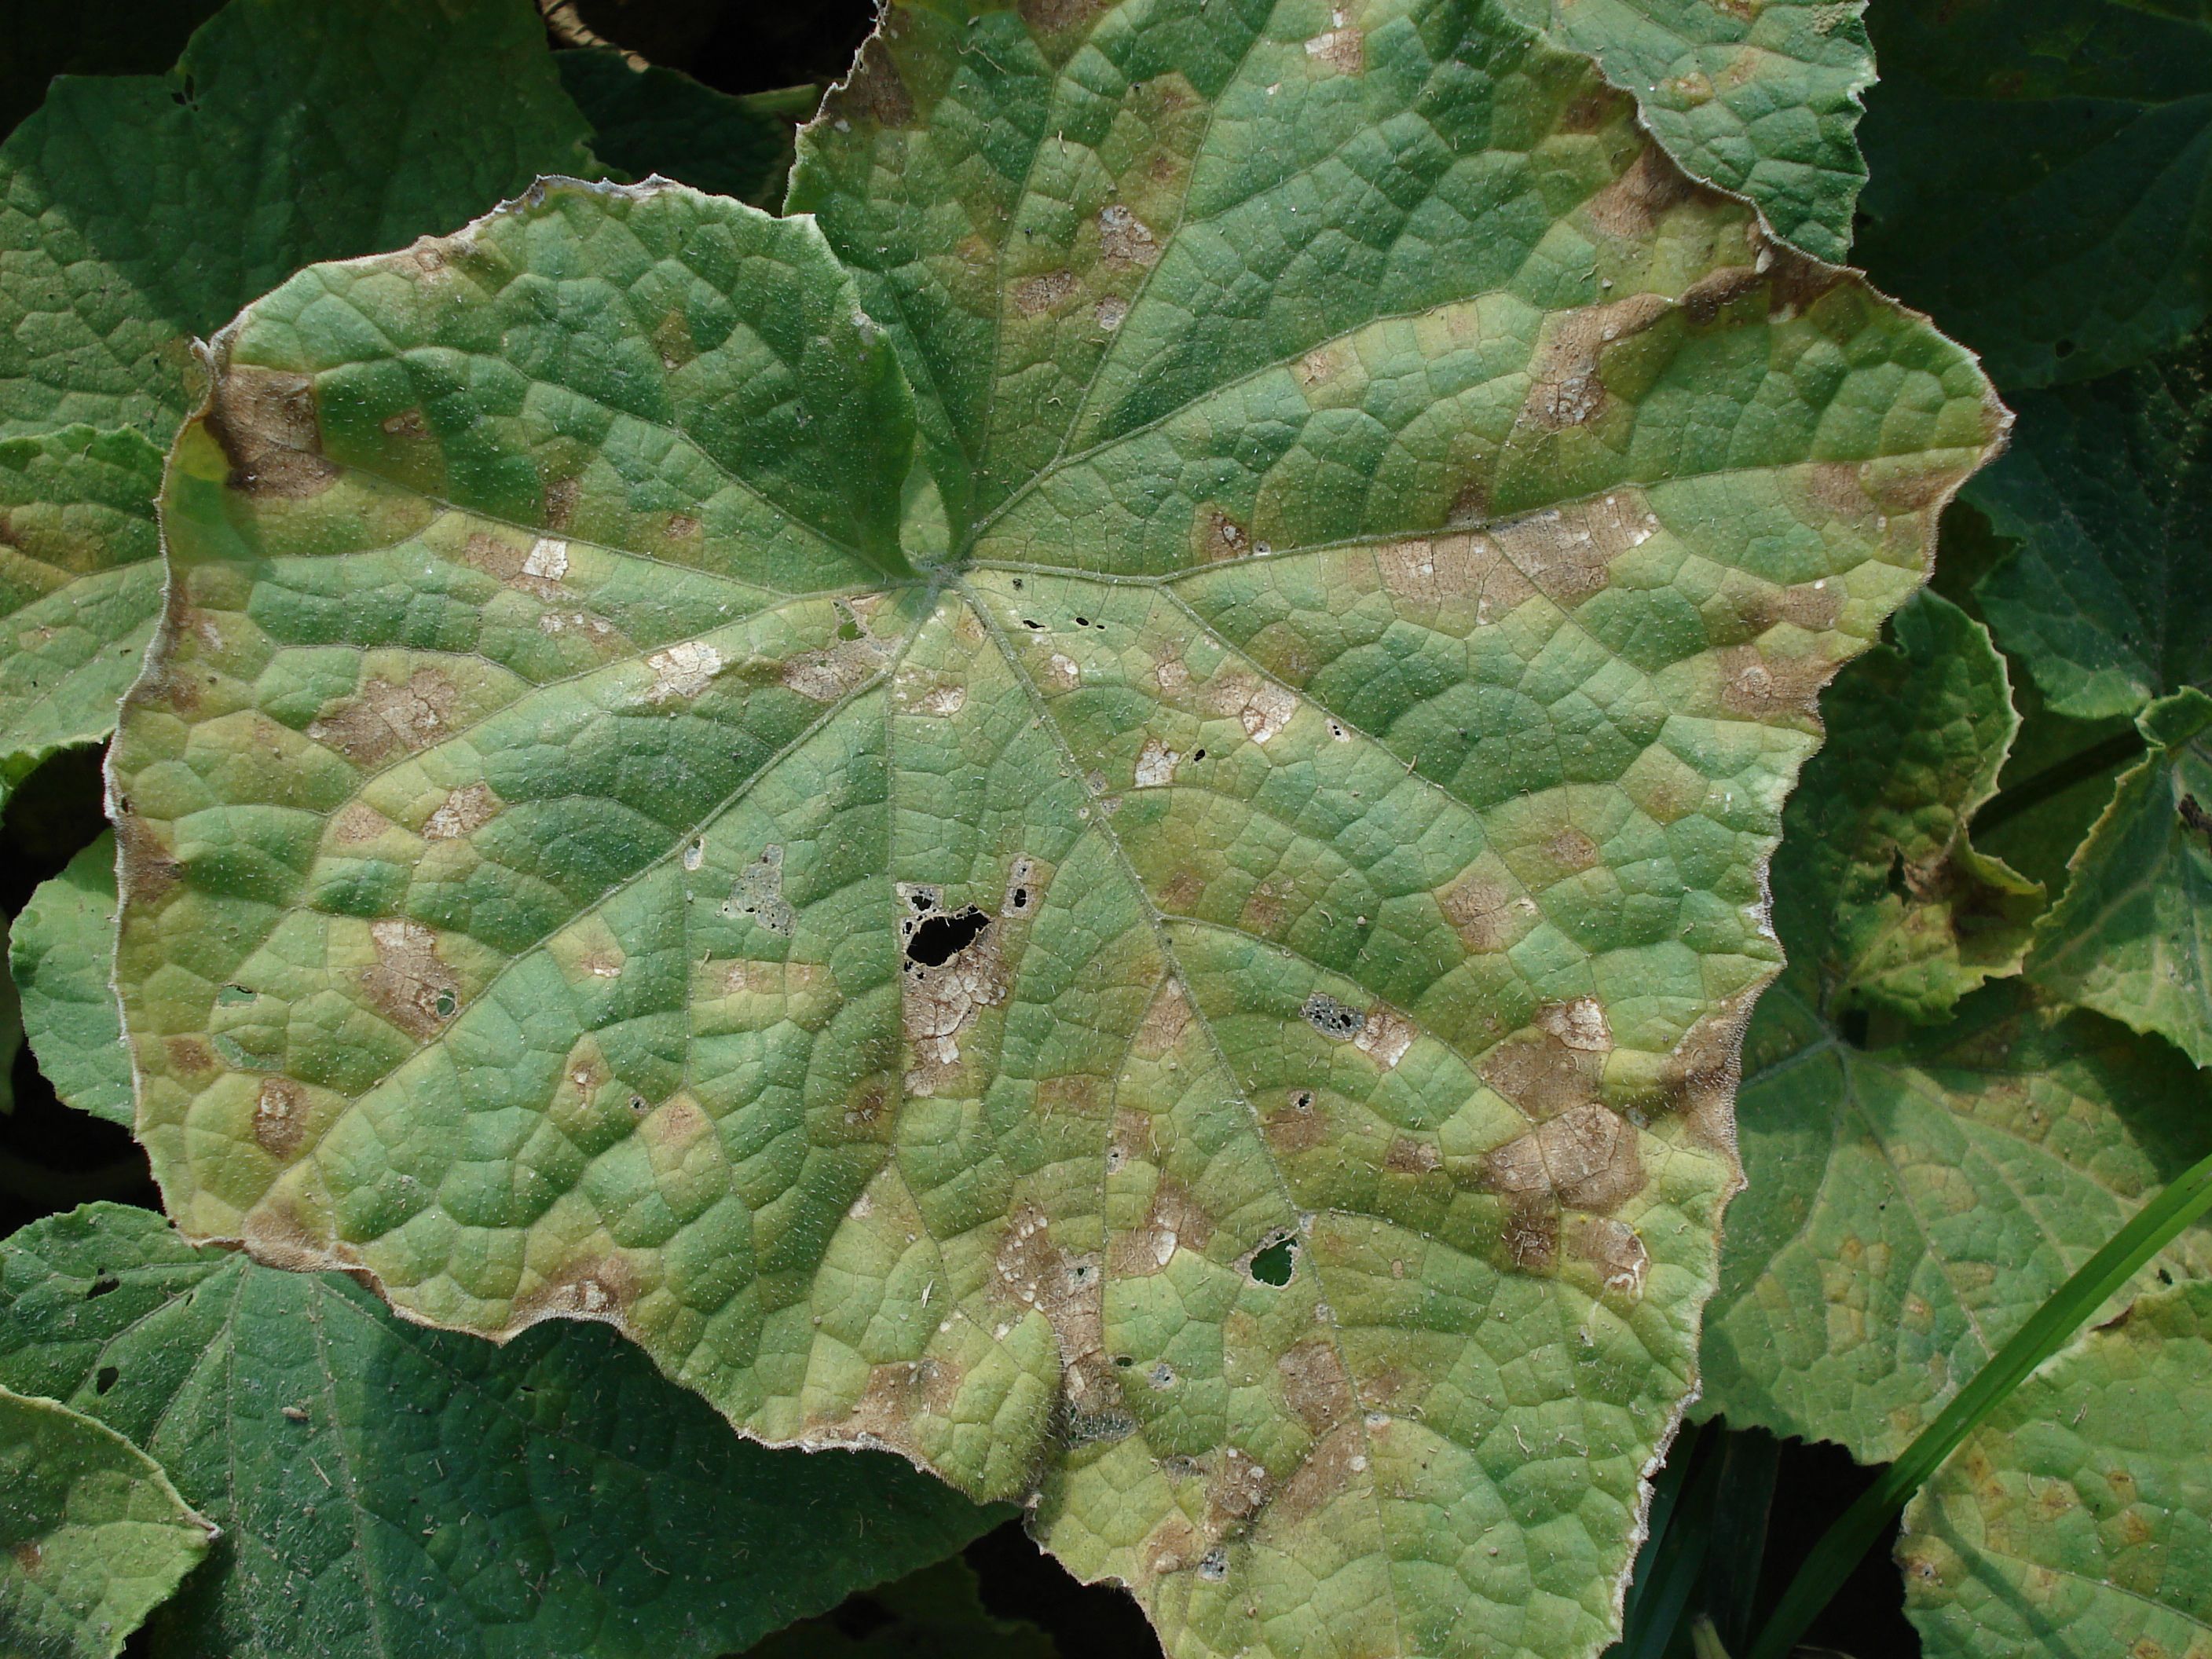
<point>383,1489</point>
<point>1761,99</point>
<point>2079,1518</point>
<point>92,1534</point>
<point>1916,1195</point>
<point>1184,955</point>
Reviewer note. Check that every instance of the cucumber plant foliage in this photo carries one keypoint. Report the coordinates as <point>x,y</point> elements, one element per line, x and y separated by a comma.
<point>1096,811</point>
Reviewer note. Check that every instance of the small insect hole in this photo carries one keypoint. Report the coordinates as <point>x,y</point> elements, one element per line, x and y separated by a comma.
<point>103,1285</point>
<point>1273,1265</point>
<point>105,1378</point>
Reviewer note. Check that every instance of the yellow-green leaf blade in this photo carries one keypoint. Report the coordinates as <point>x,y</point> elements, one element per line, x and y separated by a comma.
<point>61,957</point>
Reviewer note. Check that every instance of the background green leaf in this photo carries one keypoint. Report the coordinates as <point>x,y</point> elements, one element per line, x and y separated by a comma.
<point>2079,1520</point>
<point>80,583</point>
<point>654,120</point>
<point>2132,936</point>
<point>2039,177</point>
<point>92,1534</point>
<point>1886,895</point>
<point>138,212</point>
<point>61,954</point>
<point>386,1489</point>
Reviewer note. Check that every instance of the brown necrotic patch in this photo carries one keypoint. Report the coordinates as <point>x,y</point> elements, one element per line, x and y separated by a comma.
<point>1586,1158</point>
<point>1031,1270</point>
<point>386,717</point>
<point>1313,1384</point>
<point>1630,207</point>
<point>407,983</point>
<point>265,424</point>
<point>1174,1221</point>
<point>1034,295</point>
<point>463,812</point>
<point>280,1116</point>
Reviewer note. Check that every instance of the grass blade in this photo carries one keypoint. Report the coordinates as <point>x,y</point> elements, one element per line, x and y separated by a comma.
<point>2052,1326</point>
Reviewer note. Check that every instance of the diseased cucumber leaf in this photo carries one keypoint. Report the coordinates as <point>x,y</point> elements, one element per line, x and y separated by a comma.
<point>1186,961</point>
<point>1763,100</point>
<point>385,1489</point>
<point>2042,177</point>
<point>92,1534</point>
<point>2079,1518</point>
<point>1914,1197</point>
<point>654,120</point>
<point>61,953</point>
<point>80,583</point>
<point>2132,936</point>
<point>138,212</point>
<point>1909,916</point>
<point>2108,489</point>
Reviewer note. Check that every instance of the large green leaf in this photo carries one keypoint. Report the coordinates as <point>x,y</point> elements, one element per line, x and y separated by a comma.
<point>138,212</point>
<point>1909,916</point>
<point>1915,1195</point>
<point>2107,489</point>
<point>61,954</point>
<point>2133,935</point>
<point>1210,1001</point>
<point>1763,99</point>
<point>92,1534</point>
<point>80,583</point>
<point>2042,176</point>
<point>2079,1519</point>
<point>653,120</point>
<point>383,1489</point>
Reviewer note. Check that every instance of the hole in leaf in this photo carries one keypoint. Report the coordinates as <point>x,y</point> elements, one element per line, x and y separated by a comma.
<point>105,1378</point>
<point>2063,348</point>
<point>1273,1265</point>
<point>1854,1027</point>
<point>1124,1360</point>
<point>445,1005</point>
<point>937,940</point>
<point>1019,899</point>
<point>102,1286</point>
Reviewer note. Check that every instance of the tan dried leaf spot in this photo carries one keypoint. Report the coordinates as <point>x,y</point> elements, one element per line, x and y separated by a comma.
<point>1126,241</point>
<point>1155,765</point>
<point>463,813</point>
<point>386,717</point>
<point>1567,389</point>
<point>407,983</point>
<point>280,1116</point>
<point>1385,1036</point>
<point>1586,1157</point>
<point>266,424</point>
<point>1049,292</point>
<point>1579,1024</point>
<point>682,670</point>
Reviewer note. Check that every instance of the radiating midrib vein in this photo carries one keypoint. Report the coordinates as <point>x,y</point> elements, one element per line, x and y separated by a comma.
<point>1166,946</point>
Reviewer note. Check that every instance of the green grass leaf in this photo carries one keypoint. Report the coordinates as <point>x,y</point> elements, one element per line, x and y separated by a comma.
<point>2078,1517</point>
<point>654,120</point>
<point>2132,937</point>
<point>92,1534</point>
<point>1763,100</point>
<point>385,1489</point>
<point>2040,172</point>
<point>61,954</point>
<point>138,212</point>
<point>602,840</point>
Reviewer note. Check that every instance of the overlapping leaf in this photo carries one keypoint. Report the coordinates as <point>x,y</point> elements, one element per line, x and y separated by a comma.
<point>1903,913</point>
<point>138,212</point>
<point>1914,1197</point>
<point>382,1489</point>
<point>92,1534</point>
<point>61,953</point>
<point>2039,176</point>
<point>653,120</point>
<point>2079,1519</point>
<point>1761,99</point>
<point>1186,959</point>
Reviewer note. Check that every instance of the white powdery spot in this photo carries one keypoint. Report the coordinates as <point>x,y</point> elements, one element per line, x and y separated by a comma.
<point>1386,1036</point>
<point>463,812</point>
<point>1065,671</point>
<point>945,700</point>
<point>1156,766</point>
<point>1580,1025</point>
<point>1110,312</point>
<point>1267,712</point>
<point>682,670</point>
<point>548,559</point>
